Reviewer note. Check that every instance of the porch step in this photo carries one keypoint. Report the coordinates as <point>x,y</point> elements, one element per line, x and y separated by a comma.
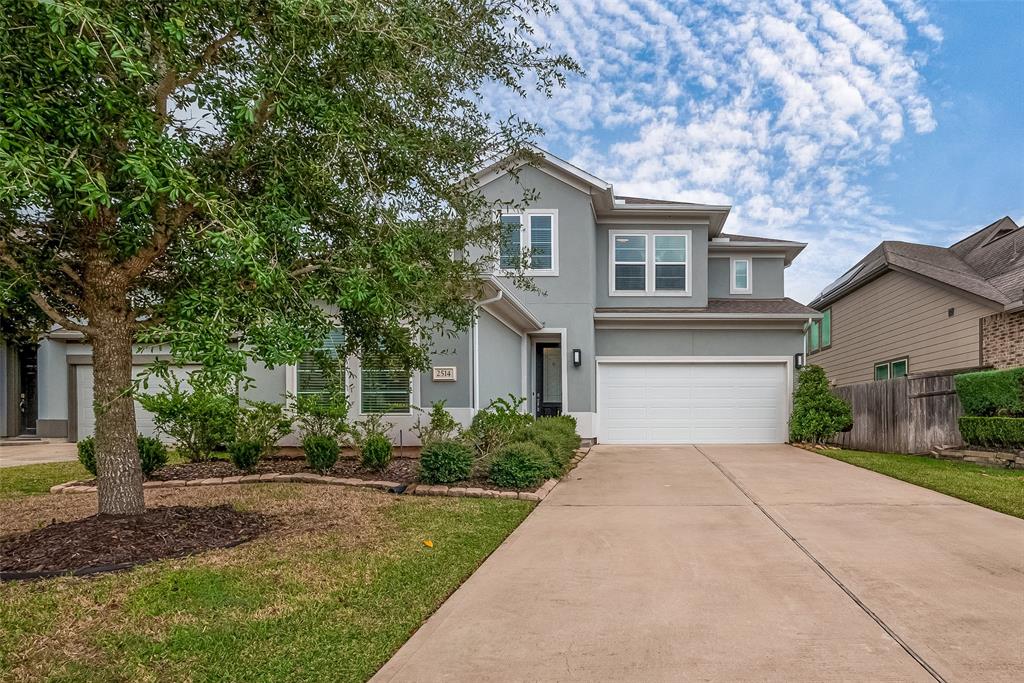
<point>24,440</point>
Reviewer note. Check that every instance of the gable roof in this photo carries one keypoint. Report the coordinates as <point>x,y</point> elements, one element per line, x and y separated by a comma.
<point>988,264</point>
<point>606,203</point>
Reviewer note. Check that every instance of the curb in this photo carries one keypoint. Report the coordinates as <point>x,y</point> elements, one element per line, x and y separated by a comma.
<point>309,478</point>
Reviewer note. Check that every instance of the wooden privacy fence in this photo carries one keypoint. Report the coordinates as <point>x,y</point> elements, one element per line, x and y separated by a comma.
<point>911,414</point>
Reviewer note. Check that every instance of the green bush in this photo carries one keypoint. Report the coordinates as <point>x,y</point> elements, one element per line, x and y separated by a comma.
<point>321,452</point>
<point>87,454</point>
<point>198,421</point>
<point>375,451</point>
<point>818,414</point>
<point>993,432</point>
<point>445,462</point>
<point>557,436</point>
<point>520,465</point>
<point>992,393</point>
<point>245,455</point>
<point>441,427</point>
<point>152,454</point>
<point>497,424</point>
<point>322,415</point>
<point>262,423</point>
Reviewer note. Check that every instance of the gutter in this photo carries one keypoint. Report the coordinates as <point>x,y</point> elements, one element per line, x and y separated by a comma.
<point>707,316</point>
<point>475,398</point>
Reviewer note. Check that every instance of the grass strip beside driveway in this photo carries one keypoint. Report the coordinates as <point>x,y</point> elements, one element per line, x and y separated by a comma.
<point>997,489</point>
<point>28,480</point>
<point>330,595</point>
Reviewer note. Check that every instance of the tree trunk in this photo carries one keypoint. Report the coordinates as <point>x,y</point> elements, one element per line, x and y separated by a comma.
<point>117,453</point>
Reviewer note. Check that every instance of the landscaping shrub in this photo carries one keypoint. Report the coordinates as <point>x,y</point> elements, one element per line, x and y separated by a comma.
<point>152,454</point>
<point>818,414</point>
<point>323,415</point>
<point>557,436</point>
<point>520,465</point>
<point>992,393</point>
<point>87,454</point>
<point>445,462</point>
<point>993,432</point>
<point>199,421</point>
<point>441,427</point>
<point>245,455</point>
<point>263,424</point>
<point>497,424</point>
<point>321,452</point>
<point>375,451</point>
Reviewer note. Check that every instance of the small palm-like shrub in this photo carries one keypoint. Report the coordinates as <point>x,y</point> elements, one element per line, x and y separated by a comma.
<point>245,455</point>
<point>321,452</point>
<point>376,450</point>
<point>445,462</point>
<point>87,454</point>
<point>152,454</point>
<point>520,465</point>
<point>818,414</point>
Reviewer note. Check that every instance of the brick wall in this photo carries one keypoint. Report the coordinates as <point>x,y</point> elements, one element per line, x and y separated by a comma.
<point>1002,340</point>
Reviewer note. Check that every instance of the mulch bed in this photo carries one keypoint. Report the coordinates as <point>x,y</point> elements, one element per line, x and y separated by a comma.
<point>105,542</point>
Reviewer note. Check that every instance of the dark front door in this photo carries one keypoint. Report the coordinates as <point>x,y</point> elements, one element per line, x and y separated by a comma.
<point>549,380</point>
<point>28,395</point>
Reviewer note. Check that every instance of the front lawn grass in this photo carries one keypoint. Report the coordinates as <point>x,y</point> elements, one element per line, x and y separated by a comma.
<point>997,489</point>
<point>331,595</point>
<point>28,480</point>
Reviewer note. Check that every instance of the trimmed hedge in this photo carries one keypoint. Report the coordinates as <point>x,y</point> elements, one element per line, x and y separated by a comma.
<point>992,393</point>
<point>521,465</point>
<point>445,462</point>
<point>993,432</point>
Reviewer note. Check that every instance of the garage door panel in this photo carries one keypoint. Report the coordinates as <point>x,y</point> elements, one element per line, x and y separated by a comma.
<point>693,402</point>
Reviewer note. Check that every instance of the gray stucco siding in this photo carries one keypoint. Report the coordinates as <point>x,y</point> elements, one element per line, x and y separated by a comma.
<point>269,384</point>
<point>768,277</point>
<point>725,342</point>
<point>697,270</point>
<point>500,358</point>
<point>449,352</point>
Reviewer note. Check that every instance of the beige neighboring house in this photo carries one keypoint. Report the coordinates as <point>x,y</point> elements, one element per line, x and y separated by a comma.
<point>913,308</point>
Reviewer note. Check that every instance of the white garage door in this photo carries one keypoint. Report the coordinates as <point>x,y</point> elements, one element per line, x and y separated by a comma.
<point>143,419</point>
<point>692,402</point>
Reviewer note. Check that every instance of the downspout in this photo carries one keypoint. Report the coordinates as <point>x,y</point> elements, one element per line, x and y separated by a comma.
<point>475,389</point>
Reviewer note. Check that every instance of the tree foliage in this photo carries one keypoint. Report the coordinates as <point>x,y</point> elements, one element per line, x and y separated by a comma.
<point>235,179</point>
<point>818,414</point>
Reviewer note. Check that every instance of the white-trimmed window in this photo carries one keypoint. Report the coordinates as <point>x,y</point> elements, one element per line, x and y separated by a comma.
<point>534,233</point>
<point>892,369</point>
<point>317,370</point>
<point>649,263</point>
<point>741,276</point>
<point>384,386</point>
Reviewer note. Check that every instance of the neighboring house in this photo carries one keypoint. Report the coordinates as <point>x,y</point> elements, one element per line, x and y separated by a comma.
<point>653,325</point>
<point>913,308</point>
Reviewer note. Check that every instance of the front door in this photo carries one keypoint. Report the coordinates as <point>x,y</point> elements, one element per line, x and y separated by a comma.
<point>28,396</point>
<point>549,379</point>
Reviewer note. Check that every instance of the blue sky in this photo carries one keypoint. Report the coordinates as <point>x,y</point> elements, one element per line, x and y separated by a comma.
<point>839,123</point>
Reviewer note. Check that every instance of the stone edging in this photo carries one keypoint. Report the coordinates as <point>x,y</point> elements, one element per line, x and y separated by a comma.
<point>309,478</point>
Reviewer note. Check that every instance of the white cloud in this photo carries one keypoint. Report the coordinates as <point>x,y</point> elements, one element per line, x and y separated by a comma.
<point>774,106</point>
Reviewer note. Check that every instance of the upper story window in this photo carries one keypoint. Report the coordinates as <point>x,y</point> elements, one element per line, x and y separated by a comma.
<point>320,371</point>
<point>533,233</point>
<point>826,328</point>
<point>742,279</point>
<point>649,262</point>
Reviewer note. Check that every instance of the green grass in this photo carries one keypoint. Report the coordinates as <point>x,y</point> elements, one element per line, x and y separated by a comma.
<point>27,480</point>
<point>997,489</point>
<point>329,605</point>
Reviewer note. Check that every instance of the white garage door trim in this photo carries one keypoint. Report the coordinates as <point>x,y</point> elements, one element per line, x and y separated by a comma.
<point>784,361</point>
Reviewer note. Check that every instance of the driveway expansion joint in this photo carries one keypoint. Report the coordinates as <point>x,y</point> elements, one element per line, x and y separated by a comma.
<point>835,579</point>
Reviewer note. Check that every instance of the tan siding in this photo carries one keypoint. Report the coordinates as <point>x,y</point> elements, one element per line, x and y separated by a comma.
<point>895,316</point>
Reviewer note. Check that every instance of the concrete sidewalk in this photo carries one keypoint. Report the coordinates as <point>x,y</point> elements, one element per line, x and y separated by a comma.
<point>734,563</point>
<point>35,453</point>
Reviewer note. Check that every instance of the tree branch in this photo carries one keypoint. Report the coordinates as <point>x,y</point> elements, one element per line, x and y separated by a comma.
<point>167,227</point>
<point>58,317</point>
<point>171,82</point>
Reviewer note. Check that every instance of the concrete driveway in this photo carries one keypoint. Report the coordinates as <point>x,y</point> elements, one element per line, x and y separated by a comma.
<point>735,563</point>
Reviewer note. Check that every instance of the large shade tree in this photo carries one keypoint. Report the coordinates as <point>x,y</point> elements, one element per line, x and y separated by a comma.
<point>206,173</point>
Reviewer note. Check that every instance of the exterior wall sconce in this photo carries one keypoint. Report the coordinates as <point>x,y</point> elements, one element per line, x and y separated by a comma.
<point>577,358</point>
<point>798,360</point>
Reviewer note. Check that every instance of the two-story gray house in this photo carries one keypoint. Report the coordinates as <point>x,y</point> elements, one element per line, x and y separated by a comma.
<point>652,325</point>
